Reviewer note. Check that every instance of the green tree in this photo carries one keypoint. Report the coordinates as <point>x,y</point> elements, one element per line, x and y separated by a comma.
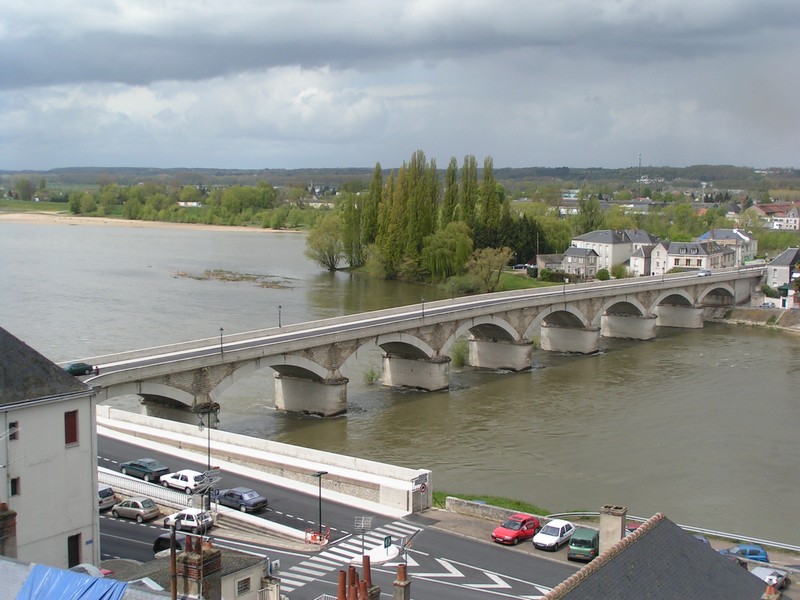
<point>446,252</point>
<point>490,213</point>
<point>486,266</point>
<point>369,212</point>
<point>351,231</point>
<point>590,215</point>
<point>468,199</point>
<point>24,189</point>
<point>324,243</point>
<point>603,275</point>
<point>450,202</point>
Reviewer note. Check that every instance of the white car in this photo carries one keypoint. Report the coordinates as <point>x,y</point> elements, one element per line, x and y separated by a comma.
<point>187,480</point>
<point>771,576</point>
<point>190,519</point>
<point>554,535</point>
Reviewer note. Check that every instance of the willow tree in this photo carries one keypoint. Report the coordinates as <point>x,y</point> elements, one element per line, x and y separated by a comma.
<point>446,252</point>
<point>324,243</point>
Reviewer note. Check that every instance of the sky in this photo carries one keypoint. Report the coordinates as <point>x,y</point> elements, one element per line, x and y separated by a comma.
<point>252,84</point>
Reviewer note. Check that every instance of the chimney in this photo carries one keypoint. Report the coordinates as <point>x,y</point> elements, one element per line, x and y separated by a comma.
<point>8,531</point>
<point>612,525</point>
<point>402,586</point>
<point>199,570</point>
<point>772,593</point>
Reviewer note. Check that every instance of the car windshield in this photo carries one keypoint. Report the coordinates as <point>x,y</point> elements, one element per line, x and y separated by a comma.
<point>550,530</point>
<point>512,525</point>
<point>198,478</point>
<point>148,503</point>
<point>106,493</point>
<point>251,495</point>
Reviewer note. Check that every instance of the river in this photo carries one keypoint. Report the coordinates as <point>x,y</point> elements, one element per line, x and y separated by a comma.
<point>701,425</point>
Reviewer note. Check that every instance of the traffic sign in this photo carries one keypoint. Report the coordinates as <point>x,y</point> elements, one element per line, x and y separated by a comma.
<point>387,541</point>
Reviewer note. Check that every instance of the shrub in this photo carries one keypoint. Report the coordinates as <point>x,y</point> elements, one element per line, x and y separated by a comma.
<point>603,275</point>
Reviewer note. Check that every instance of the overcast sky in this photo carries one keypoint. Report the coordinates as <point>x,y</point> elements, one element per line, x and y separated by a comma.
<point>347,83</point>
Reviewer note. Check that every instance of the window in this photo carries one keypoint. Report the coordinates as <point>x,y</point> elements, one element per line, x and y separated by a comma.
<point>13,430</point>
<point>15,486</point>
<point>71,427</point>
<point>242,586</point>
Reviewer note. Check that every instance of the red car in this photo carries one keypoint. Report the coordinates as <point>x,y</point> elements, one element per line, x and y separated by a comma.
<point>516,528</point>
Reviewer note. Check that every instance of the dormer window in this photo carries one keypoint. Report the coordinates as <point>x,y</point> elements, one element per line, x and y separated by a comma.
<point>683,251</point>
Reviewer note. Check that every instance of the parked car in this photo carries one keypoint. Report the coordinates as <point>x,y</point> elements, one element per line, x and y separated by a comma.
<point>106,498</point>
<point>703,273</point>
<point>79,368</point>
<point>770,576</point>
<point>140,508</point>
<point>185,479</point>
<point>190,519</point>
<point>516,528</point>
<point>245,499</point>
<point>162,542</point>
<point>584,544</point>
<point>554,535</point>
<point>749,551</point>
<point>148,469</point>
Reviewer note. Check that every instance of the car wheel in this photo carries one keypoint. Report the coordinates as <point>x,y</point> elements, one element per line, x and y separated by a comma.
<point>124,471</point>
<point>146,478</point>
<point>188,490</point>
<point>139,519</point>
<point>195,530</point>
<point>243,508</point>
<point>115,514</point>
<point>515,541</point>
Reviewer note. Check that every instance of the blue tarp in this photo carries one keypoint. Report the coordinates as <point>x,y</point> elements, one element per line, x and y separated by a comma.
<point>57,584</point>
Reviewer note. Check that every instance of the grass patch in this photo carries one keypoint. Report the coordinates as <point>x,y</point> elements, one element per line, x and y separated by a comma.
<point>23,206</point>
<point>510,281</point>
<point>516,505</point>
<point>371,375</point>
<point>459,353</point>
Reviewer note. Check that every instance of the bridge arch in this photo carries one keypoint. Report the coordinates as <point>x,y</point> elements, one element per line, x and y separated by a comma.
<point>674,297</point>
<point>150,390</point>
<point>629,307</point>
<point>404,344</point>
<point>558,315</point>
<point>720,294</point>
<point>489,327</point>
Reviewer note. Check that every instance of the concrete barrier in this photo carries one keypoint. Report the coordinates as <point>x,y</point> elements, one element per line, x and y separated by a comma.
<point>396,489</point>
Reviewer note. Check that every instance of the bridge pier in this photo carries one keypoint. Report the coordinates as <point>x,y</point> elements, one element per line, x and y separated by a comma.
<point>632,327</point>
<point>584,340</point>
<point>500,354</point>
<point>687,317</point>
<point>325,398</point>
<point>428,374</point>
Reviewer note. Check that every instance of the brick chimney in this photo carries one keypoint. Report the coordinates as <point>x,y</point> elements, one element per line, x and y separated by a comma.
<point>8,531</point>
<point>402,585</point>
<point>612,525</point>
<point>199,569</point>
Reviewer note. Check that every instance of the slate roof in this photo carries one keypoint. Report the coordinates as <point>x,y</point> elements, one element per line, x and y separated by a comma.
<point>703,248</point>
<point>733,235</point>
<point>660,561</point>
<point>582,252</point>
<point>787,258</point>
<point>26,375</point>
<point>618,236</point>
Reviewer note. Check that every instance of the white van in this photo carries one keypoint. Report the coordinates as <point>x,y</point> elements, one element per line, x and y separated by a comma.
<point>105,496</point>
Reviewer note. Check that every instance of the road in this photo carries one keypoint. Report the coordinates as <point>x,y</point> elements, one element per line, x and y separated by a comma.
<point>441,565</point>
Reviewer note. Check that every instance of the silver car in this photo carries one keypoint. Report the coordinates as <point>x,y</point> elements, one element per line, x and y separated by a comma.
<point>140,508</point>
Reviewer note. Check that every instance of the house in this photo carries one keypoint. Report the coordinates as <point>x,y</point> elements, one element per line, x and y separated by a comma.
<point>686,256</point>
<point>580,262</point>
<point>551,262</point>
<point>744,244</point>
<point>660,561</point>
<point>614,247</point>
<point>47,426</point>
<point>781,274</point>
<point>778,215</point>
<point>639,262</point>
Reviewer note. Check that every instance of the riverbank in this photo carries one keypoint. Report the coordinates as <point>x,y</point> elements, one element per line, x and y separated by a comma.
<point>51,218</point>
<point>767,318</point>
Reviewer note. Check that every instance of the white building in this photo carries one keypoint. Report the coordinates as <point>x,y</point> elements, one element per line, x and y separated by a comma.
<point>781,274</point>
<point>48,458</point>
<point>614,247</point>
<point>690,256</point>
<point>744,244</point>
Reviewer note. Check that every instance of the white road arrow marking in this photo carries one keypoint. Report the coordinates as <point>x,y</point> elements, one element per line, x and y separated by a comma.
<point>409,562</point>
<point>498,583</point>
<point>452,571</point>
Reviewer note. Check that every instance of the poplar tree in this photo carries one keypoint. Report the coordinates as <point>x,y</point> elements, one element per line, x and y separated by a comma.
<point>490,207</point>
<point>351,231</point>
<point>369,211</point>
<point>469,190</point>
<point>449,210</point>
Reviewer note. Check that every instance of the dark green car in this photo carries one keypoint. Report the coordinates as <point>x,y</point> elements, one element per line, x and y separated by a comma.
<point>148,469</point>
<point>79,368</point>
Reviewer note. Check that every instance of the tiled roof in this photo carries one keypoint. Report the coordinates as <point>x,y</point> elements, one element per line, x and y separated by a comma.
<point>26,375</point>
<point>660,561</point>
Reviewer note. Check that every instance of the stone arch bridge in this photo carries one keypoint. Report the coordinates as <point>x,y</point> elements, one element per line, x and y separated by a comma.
<point>502,331</point>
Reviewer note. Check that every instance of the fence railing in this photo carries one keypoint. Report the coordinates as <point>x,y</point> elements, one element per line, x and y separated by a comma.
<point>130,486</point>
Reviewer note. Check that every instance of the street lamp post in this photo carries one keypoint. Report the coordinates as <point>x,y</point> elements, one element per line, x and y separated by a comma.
<point>423,306</point>
<point>319,475</point>
<point>279,315</point>
<point>220,340</point>
<point>206,410</point>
